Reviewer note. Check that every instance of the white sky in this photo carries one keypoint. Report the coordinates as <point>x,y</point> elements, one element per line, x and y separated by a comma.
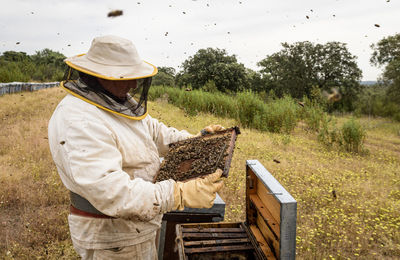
<point>256,27</point>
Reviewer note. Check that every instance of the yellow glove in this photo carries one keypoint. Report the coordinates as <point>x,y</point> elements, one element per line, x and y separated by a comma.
<point>210,129</point>
<point>199,192</point>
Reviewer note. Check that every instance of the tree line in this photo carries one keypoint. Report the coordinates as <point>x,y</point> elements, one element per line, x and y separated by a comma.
<point>300,70</point>
<point>327,73</point>
<point>43,66</point>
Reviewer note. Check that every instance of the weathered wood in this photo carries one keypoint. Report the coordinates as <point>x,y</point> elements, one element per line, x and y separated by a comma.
<point>268,235</point>
<point>262,243</point>
<point>212,230</point>
<point>266,214</point>
<point>269,201</point>
<point>251,182</point>
<point>179,243</point>
<point>214,225</point>
<point>218,249</point>
<point>213,235</point>
<point>270,225</point>
<point>216,242</point>
<point>281,205</point>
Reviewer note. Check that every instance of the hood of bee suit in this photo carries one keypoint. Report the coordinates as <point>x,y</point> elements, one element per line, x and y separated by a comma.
<point>111,58</point>
<point>129,108</point>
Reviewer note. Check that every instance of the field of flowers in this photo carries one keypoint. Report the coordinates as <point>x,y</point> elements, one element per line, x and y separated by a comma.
<point>348,204</point>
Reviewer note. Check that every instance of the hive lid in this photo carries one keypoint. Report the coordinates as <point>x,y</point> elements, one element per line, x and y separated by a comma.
<point>199,156</point>
<point>270,212</point>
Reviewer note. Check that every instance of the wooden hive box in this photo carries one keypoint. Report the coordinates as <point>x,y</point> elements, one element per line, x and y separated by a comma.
<point>199,156</point>
<point>269,231</point>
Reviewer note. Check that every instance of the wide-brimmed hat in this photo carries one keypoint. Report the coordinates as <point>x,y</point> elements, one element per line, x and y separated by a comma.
<point>113,58</point>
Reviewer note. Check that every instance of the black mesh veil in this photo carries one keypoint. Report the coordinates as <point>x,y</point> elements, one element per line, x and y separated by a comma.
<point>88,87</point>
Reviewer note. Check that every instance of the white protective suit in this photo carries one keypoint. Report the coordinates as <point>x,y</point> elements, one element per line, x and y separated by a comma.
<point>111,160</point>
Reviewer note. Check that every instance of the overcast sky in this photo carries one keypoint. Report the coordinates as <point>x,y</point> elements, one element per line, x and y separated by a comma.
<point>168,32</point>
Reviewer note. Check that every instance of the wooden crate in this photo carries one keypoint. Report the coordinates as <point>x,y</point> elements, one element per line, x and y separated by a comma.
<point>269,231</point>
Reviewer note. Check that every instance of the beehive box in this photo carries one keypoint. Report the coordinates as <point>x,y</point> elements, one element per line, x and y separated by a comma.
<point>269,231</point>
<point>199,156</point>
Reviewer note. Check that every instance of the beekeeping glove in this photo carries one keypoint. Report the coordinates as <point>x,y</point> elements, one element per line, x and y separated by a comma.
<point>210,129</point>
<point>199,192</point>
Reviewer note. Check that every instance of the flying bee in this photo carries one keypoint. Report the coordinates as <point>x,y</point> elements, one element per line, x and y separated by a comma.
<point>115,13</point>
<point>334,96</point>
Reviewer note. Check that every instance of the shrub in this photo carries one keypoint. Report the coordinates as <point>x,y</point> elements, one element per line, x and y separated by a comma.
<point>349,137</point>
<point>251,108</point>
<point>281,115</point>
<point>353,135</point>
<point>312,114</point>
<point>210,86</point>
<point>328,134</point>
<point>10,72</point>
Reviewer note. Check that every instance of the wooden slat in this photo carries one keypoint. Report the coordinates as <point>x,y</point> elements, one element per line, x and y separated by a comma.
<point>266,214</point>
<point>262,243</point>
<point>218,249</point>
<point>213,225</point>
<point>267,234</point>
<point>213,230</point>
<point>269,201</point>
<point>216,242</point>
<point>213,235</point>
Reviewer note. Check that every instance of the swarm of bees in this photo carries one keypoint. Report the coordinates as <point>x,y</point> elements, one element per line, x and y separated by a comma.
<point>115,13</point>
<point>194,157</point>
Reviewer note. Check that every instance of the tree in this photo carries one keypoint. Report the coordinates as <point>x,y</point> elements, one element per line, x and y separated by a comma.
<point>299,66</point>
<point>49,57</point>
<point>213,65</point>
<point>167,70</point>
<point>13,56</point>
<point>387,53</point>
<point>254,80</point>
<point>165,76</point>
<point>45,65</point>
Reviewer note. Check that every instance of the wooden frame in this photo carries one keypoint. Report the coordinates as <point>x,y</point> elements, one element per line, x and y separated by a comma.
<point>271,212</point>
<point>268,233</point>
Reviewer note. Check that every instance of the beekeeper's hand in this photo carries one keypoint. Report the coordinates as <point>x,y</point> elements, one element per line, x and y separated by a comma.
<point>210,129</point>
<point>199,192</point>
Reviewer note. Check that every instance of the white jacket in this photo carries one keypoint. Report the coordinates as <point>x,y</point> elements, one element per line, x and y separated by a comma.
<point>111,161</point>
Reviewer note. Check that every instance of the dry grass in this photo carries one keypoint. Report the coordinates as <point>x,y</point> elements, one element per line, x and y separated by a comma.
<point>32,199</point>
<point>363,221</point>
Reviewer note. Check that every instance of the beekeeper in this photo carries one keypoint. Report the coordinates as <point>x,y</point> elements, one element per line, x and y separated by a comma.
<point>107,151</point>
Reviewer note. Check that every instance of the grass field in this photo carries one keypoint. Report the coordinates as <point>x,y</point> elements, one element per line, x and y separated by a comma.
<point>348,204</point>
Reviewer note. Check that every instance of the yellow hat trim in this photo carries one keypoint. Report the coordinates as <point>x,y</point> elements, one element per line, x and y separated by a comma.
<point>100,106</point>
<point>110,78</point>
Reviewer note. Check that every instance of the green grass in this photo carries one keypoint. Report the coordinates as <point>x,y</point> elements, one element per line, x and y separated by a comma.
<point>363,221</point>
<point>247,108</point>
